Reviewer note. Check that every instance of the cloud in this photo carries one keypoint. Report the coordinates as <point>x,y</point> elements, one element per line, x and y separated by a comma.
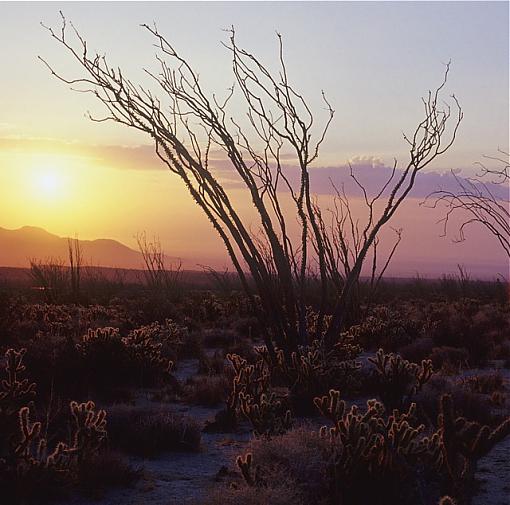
<point>370,171</point>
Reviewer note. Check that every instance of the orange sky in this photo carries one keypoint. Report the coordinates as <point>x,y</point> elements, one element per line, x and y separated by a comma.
<point>61,172</point>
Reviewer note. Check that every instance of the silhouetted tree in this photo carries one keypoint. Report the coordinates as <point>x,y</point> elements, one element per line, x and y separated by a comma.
<point>190,124</point>
<point>477,202</point>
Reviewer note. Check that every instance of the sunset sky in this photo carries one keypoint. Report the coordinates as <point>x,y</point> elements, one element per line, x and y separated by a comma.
<point>374,61</point>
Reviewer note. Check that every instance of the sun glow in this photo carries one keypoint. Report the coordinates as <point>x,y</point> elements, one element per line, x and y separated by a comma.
<point>49,183</point>
<point>49,177</point>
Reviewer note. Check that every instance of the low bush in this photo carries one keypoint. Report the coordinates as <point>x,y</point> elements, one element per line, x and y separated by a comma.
<point>206,390</point>
<point>148,433</point>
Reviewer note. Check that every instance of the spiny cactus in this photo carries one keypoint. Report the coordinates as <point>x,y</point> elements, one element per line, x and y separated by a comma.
<point>112,359</point>
<point>13,389</point>
<point>144,349</point>
<point>399,379</point>
<point>372,447</point>
<point>252,476</point>
<point>464,442</point>
<point>267,416</point>
<point>313,370</point>
<point>89,428</point>
<point>252,380</point>
<point>447,500</point>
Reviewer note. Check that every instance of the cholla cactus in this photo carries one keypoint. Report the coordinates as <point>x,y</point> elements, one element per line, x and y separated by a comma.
<point>312,370</point>
<point>252,476</point>
<point>144,349</point>
<point>398,378</point>
<point>99,335</point>
<point>372,447</point>
<point>32,456</point>
<point>250,397</point>
<point>251,380</point>
<point>89,429</point>
<point>464,442</point>
<point>267,416</point>
<point>447,500</point>
<point>13,390</point>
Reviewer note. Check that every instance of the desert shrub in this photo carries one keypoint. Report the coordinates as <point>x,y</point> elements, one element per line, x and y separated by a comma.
<point>218,337</point>
<point>467,324</point>
<point>276,493</point>
<point>473,406</point>
<point>484,383</point>
<point>212,365</point>
<point>207,390</point>
<point>398,380</point>
<point>247,327</point>
<point>386,328</point>
<point>105,470</point>
<point>502,352</point>
<point>418,350</point>
<point>449,359</point>
<point>299,453</point>
<point>148,433</point>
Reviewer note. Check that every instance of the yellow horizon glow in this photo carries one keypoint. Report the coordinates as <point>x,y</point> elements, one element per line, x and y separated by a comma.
<point>79,192</point>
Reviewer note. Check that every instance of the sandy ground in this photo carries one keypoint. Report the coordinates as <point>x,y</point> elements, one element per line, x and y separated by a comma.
<point>181,478</point>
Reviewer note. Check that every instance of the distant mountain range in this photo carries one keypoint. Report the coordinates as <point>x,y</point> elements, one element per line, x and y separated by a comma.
<point>18,247</point>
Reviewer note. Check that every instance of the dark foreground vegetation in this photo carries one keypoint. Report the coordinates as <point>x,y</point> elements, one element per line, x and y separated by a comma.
<point>409,398</point>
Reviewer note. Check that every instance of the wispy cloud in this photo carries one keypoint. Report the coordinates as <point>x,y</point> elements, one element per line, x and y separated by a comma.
<point>370,171</point>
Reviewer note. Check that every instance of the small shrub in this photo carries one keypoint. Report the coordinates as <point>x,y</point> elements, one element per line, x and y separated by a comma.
<point>449,359</point>
<point>148,433</point>
<point>485,384</point>
<point>418,350</point>
<point>207,390</point>
<point>104,470</point>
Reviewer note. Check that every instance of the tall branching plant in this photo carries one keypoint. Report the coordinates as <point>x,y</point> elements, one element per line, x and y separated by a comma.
<point>187,125</point>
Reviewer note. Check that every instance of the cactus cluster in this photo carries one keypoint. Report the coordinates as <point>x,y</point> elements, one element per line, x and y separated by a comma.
<point>251,398</point>
<point>134,358</point>
<point>398,379</point>
<point>27,464</point>
<point>374,447</point>
<point>313,370</point>
<point>463,443</point>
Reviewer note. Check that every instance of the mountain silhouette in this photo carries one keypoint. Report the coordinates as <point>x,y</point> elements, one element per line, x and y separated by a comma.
<point>18,247</point>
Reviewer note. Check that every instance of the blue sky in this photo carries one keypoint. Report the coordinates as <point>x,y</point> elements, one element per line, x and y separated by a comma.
<point>373,59</point>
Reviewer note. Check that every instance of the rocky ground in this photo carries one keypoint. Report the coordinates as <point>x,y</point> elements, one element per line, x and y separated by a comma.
<point>181,478</point>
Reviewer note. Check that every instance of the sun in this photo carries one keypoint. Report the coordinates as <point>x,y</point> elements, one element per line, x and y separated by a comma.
<point>48,179</point>
<point>49,183</point>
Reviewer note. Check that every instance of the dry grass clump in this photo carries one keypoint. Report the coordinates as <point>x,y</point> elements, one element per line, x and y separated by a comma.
<point>450,360</point>
<point>301,454</point>
<point>207,390</point>
<point>474,406</point>
<point>212,365</point>
<point>148,433</point>
<point>105,470</point>
<point>484,383</point>
<point>278,493</point>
